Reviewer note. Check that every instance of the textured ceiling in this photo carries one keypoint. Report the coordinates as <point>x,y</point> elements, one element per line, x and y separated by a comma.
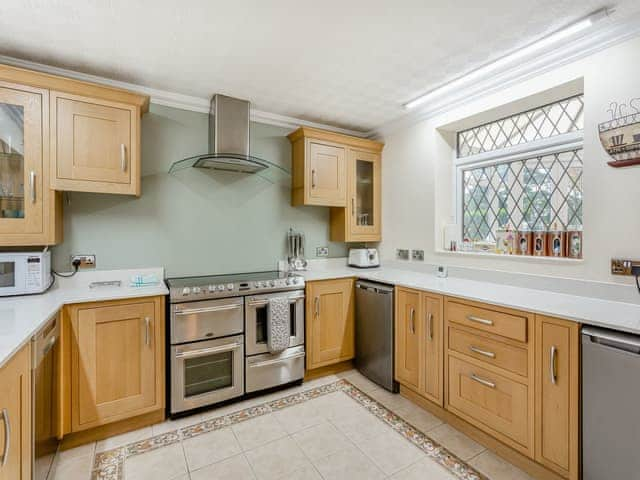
<point>347,63</point>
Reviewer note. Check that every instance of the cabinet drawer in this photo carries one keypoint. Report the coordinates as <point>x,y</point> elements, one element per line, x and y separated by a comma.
<point>490,401</point>
<point>494,321</point>
<point>493,352</point>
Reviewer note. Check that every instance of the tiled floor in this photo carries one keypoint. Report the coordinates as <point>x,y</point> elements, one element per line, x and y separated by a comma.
<point>333,434</point>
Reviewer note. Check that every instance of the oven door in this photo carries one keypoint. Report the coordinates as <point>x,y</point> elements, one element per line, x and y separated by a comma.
<point>256,308</point>
<point>193,321</point>
<point>204,373</point>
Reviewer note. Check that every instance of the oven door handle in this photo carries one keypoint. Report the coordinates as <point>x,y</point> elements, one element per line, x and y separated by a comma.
<point>276,360</point>
<point>221,308</point>
<point>260,303</point>
<point>207,351</point>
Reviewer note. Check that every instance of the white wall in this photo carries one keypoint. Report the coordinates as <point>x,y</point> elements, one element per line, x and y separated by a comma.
<point>417,175</point>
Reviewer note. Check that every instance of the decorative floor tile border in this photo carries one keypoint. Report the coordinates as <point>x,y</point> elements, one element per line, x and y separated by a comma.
<point>109,465</point>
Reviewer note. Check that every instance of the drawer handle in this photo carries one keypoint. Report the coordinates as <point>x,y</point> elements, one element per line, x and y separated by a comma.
<point>123,157</point>
<point>7,436</point>
<point>266,363</point>
<point>552,364</point>
<point>482,381</point>
<point>483,321</point>
<point>479,351</point>
<point>412,319</point>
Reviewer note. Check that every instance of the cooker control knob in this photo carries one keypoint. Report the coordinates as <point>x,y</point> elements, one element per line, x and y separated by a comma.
<point>196,289</point>
<point>272,283</point>
<point>212,288</point>
<point>221,288</point>
<point>186,291</point>
<point>258,284</point>
<point>289,281</point>
<point>229,286</point>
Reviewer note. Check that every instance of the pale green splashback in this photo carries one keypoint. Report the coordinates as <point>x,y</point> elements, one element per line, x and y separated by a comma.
<point>194,221</point>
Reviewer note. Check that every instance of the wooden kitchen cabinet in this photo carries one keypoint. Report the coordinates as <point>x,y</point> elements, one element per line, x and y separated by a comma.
<point>115,363</point>
<point>330,322</point>
<point>15,417</point>
<point>95,145</point>
<point>557,395</point>
<point>408,335</point>
<point>361,220</point>
<point>433,387</point>
<point>30,213</point>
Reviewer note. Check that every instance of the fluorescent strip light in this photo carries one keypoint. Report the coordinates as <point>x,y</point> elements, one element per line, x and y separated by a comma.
<point>541,44</point>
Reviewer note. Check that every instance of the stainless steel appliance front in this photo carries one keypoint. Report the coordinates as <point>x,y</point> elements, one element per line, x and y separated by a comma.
<point>271,369</point>
<point>194,321</point>
<point>207,372</point>
<point>256,323</point>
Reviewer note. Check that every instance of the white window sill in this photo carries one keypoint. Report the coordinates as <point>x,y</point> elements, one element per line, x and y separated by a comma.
<point>523,258</point>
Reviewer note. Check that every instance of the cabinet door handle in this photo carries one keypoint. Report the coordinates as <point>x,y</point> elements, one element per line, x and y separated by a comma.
<point>482,352</point>
<point>552,364</point>
<point>313,178</point>
<point>147,335</point>
<point>353,207</point>
<point>7,436</point>
<point>32,186</point>
<point>123,157</point>
<point>316,302</point>
<point>430,326</point>
<point>412,320</point>
<point>483,321</point>
<point>482,381</point>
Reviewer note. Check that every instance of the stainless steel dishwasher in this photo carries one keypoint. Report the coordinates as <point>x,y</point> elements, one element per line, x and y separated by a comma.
<point>375,333</point>
<point>610,393</point>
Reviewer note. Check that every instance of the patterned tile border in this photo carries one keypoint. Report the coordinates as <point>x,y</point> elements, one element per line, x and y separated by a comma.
<point>109,465</point>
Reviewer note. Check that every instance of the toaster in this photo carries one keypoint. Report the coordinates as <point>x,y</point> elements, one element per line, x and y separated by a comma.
<point>363,258</point>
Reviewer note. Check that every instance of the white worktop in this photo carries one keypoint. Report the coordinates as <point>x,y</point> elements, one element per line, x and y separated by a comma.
<point>588,310</point>
<point>21,317</point>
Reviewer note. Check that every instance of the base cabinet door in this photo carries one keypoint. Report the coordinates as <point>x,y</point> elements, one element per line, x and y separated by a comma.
<point>330,320</point>
<point>433,348</point>
<point>557,395</point>
<point>409,344</point>
<point>15,417</point>
<point>116,361</point>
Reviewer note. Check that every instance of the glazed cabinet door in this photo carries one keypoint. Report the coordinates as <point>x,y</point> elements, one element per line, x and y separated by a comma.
<point>557,395</point>
<point>409,344</point>
<point>22,190</point>
<point>364,192</point>
<point>94,145</point>
<point>330,322</point>
<point>116,361</point>
<point>15,417</point>
<point>433,306</point>
<point>326,174</point>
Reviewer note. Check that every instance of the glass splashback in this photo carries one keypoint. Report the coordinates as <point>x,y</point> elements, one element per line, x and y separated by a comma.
<point>11,161</point>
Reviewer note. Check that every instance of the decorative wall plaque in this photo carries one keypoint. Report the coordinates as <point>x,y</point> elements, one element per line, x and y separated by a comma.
<point>620,136</point>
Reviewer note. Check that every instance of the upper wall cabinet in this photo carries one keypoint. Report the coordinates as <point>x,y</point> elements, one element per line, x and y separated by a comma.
<point>95,145</point>
<point>342,172</point>
<point>29,210</point>
<point>92,142</point>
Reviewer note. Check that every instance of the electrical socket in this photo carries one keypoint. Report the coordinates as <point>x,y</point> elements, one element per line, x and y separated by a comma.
<point>86,261</point>
<point>621,266</point>
<point>417,255</point>
<point>402,254</point>
<point>322,251</point>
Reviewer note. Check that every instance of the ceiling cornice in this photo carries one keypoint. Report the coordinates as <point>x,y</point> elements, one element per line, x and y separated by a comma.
<point>173,99</point>
<point>600,39</point>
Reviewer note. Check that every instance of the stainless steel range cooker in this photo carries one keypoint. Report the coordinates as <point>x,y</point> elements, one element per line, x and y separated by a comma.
<point>218,337</point>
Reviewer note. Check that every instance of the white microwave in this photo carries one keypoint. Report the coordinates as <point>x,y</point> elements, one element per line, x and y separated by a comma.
<point>23,273</point>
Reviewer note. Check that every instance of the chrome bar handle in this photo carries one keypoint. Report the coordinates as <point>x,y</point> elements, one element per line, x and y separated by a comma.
<point>276,360</point>
<point>412,319</point>
<point>353,206</point>
<point>552,364</point>
<point>313,178</point>
<point>147,337</point>
<point>316,303</point>
<point>482,352</point>
<point>483,321</point>
<point>220,308</point>
<point>482,381</point>
<point>208,351</point>
<point>32,185</point>
<point>123,157</point>
<point>430,325</point>
<point>7,436</point>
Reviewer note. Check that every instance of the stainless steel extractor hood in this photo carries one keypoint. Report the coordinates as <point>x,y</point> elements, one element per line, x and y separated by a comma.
<point>228,138</point>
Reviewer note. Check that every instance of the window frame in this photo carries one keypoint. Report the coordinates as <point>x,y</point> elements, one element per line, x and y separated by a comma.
<point>524,151</point>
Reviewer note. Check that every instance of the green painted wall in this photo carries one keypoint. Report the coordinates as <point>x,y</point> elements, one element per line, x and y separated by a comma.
<point>193,221</point>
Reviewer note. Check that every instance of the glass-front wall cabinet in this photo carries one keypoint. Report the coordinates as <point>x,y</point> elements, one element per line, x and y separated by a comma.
<point>365,198</point>
<point>21,210</point>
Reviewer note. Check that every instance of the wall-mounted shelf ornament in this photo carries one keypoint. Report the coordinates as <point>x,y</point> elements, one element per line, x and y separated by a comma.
<point>620,136</point>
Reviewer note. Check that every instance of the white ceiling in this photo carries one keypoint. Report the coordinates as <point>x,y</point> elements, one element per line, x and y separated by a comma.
<point>349,63</point>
